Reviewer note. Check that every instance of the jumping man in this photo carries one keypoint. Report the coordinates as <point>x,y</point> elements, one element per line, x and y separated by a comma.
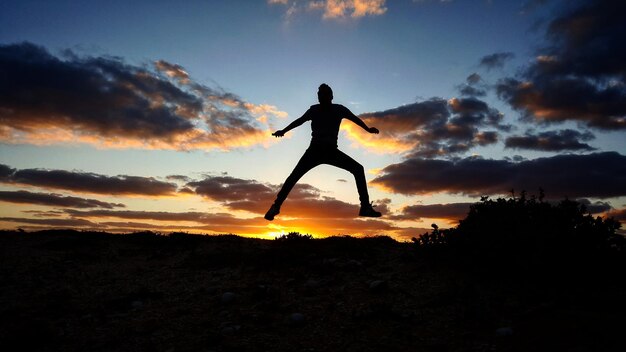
<point>325,119</point>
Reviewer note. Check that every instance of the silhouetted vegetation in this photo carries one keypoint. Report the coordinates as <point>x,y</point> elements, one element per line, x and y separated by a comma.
<point>293,237</point>
<point>526,233</point>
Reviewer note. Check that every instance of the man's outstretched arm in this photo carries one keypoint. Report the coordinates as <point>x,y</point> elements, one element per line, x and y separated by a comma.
<point>352,117</point>
<point>297,122</point>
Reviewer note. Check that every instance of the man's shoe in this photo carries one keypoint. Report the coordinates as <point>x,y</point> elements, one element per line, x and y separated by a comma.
<point>274,210</point>
<point>368,210</point>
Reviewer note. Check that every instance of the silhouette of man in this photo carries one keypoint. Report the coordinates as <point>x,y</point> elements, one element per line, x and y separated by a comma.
<point>325,119</point>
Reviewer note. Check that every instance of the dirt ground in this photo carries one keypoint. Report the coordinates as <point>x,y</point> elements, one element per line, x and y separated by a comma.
<point>78,291</point>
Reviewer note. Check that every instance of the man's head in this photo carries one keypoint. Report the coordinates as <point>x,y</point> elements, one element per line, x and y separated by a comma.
<point>324,94</point>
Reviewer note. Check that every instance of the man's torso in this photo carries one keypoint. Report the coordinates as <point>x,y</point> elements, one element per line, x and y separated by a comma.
<point>325,122</point>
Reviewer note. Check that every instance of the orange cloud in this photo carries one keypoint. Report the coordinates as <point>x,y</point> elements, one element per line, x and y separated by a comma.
<point>430,128</point>
<point>215,223</point>
<point>241,203</point>
<point>335,9</point>
<point>107,103</point>
<point>388,141</point>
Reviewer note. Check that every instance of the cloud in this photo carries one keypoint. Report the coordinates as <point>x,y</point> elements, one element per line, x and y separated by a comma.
<point>5,172</point>
<point>306,209</point>
<point>579,75</point>
<point>305,201</point>
<point>597,175</point>
<point>199,217</point>
<point>52,222</point>
<point>458,211</point>
<point>44,214</point>
<point>596,207</point>
<point>472,86</point>
<point>87,182</point>
<point>495,60</point>
<point>173,71</point>
<point>248,194</point>
<point>334,9</point>
<point>45,99</point>
<point>450,211</point>
<point>179,178</point>
<point>434,127</point>
<point>551,141</point>
<point>227,223</point>
<point>52,199</point>
<point>473,78</point>
<point>214,222</point>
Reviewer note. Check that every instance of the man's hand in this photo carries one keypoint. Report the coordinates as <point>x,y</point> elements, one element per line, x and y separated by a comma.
<point>278,133</point>
<point>373,130</point>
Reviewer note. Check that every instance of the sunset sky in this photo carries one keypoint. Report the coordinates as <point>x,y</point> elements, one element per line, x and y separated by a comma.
<point>131,115</point>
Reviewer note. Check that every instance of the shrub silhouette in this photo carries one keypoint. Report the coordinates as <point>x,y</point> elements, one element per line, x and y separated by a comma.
<point>293,237</point>
<point>519,228</point>
<point>433,239</point>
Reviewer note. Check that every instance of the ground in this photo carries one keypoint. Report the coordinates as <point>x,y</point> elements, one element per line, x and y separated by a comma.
<point>78,291</point>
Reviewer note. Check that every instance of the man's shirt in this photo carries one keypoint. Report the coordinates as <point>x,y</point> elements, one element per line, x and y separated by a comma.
<point>325,121</point>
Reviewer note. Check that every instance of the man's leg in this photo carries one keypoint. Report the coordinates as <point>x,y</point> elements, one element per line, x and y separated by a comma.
<point>308,161</point>
<point>343,161</point>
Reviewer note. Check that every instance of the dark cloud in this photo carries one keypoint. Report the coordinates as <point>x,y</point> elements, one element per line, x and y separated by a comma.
<point>51,199</point>
<point>87,182</point>
<point>44,214</point>
<point>472,86</point>
<point>173,70</point>
<point>199,217</point>
<point>458,211</point>
<point>132,226</point>
<point>240,194</point>
<point>471,91</point>
<point>214,222</point>
<point>596,207</point>
<point>450,211</point>
<point>52,222</point>
<point>495,60</point>
<point>580,74</point>
<point>5,172</point>
<point>435,127</point>
<point>473,78</point>
<point>186,190</point>
<point>551,141</point>
<point>180,178</point>
<point>104,101</point>
<point>598,175</point>
<point>128,226</point>
<point>231,189</point>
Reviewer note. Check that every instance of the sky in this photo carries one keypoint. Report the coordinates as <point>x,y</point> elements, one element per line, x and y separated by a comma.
<point>157,115</point>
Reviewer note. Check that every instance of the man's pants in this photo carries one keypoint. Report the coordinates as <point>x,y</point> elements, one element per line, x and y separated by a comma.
<point>315,156</point>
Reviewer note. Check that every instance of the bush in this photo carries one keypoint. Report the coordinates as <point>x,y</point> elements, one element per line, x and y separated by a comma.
<point>294,237</point>
<point>515,228</point>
